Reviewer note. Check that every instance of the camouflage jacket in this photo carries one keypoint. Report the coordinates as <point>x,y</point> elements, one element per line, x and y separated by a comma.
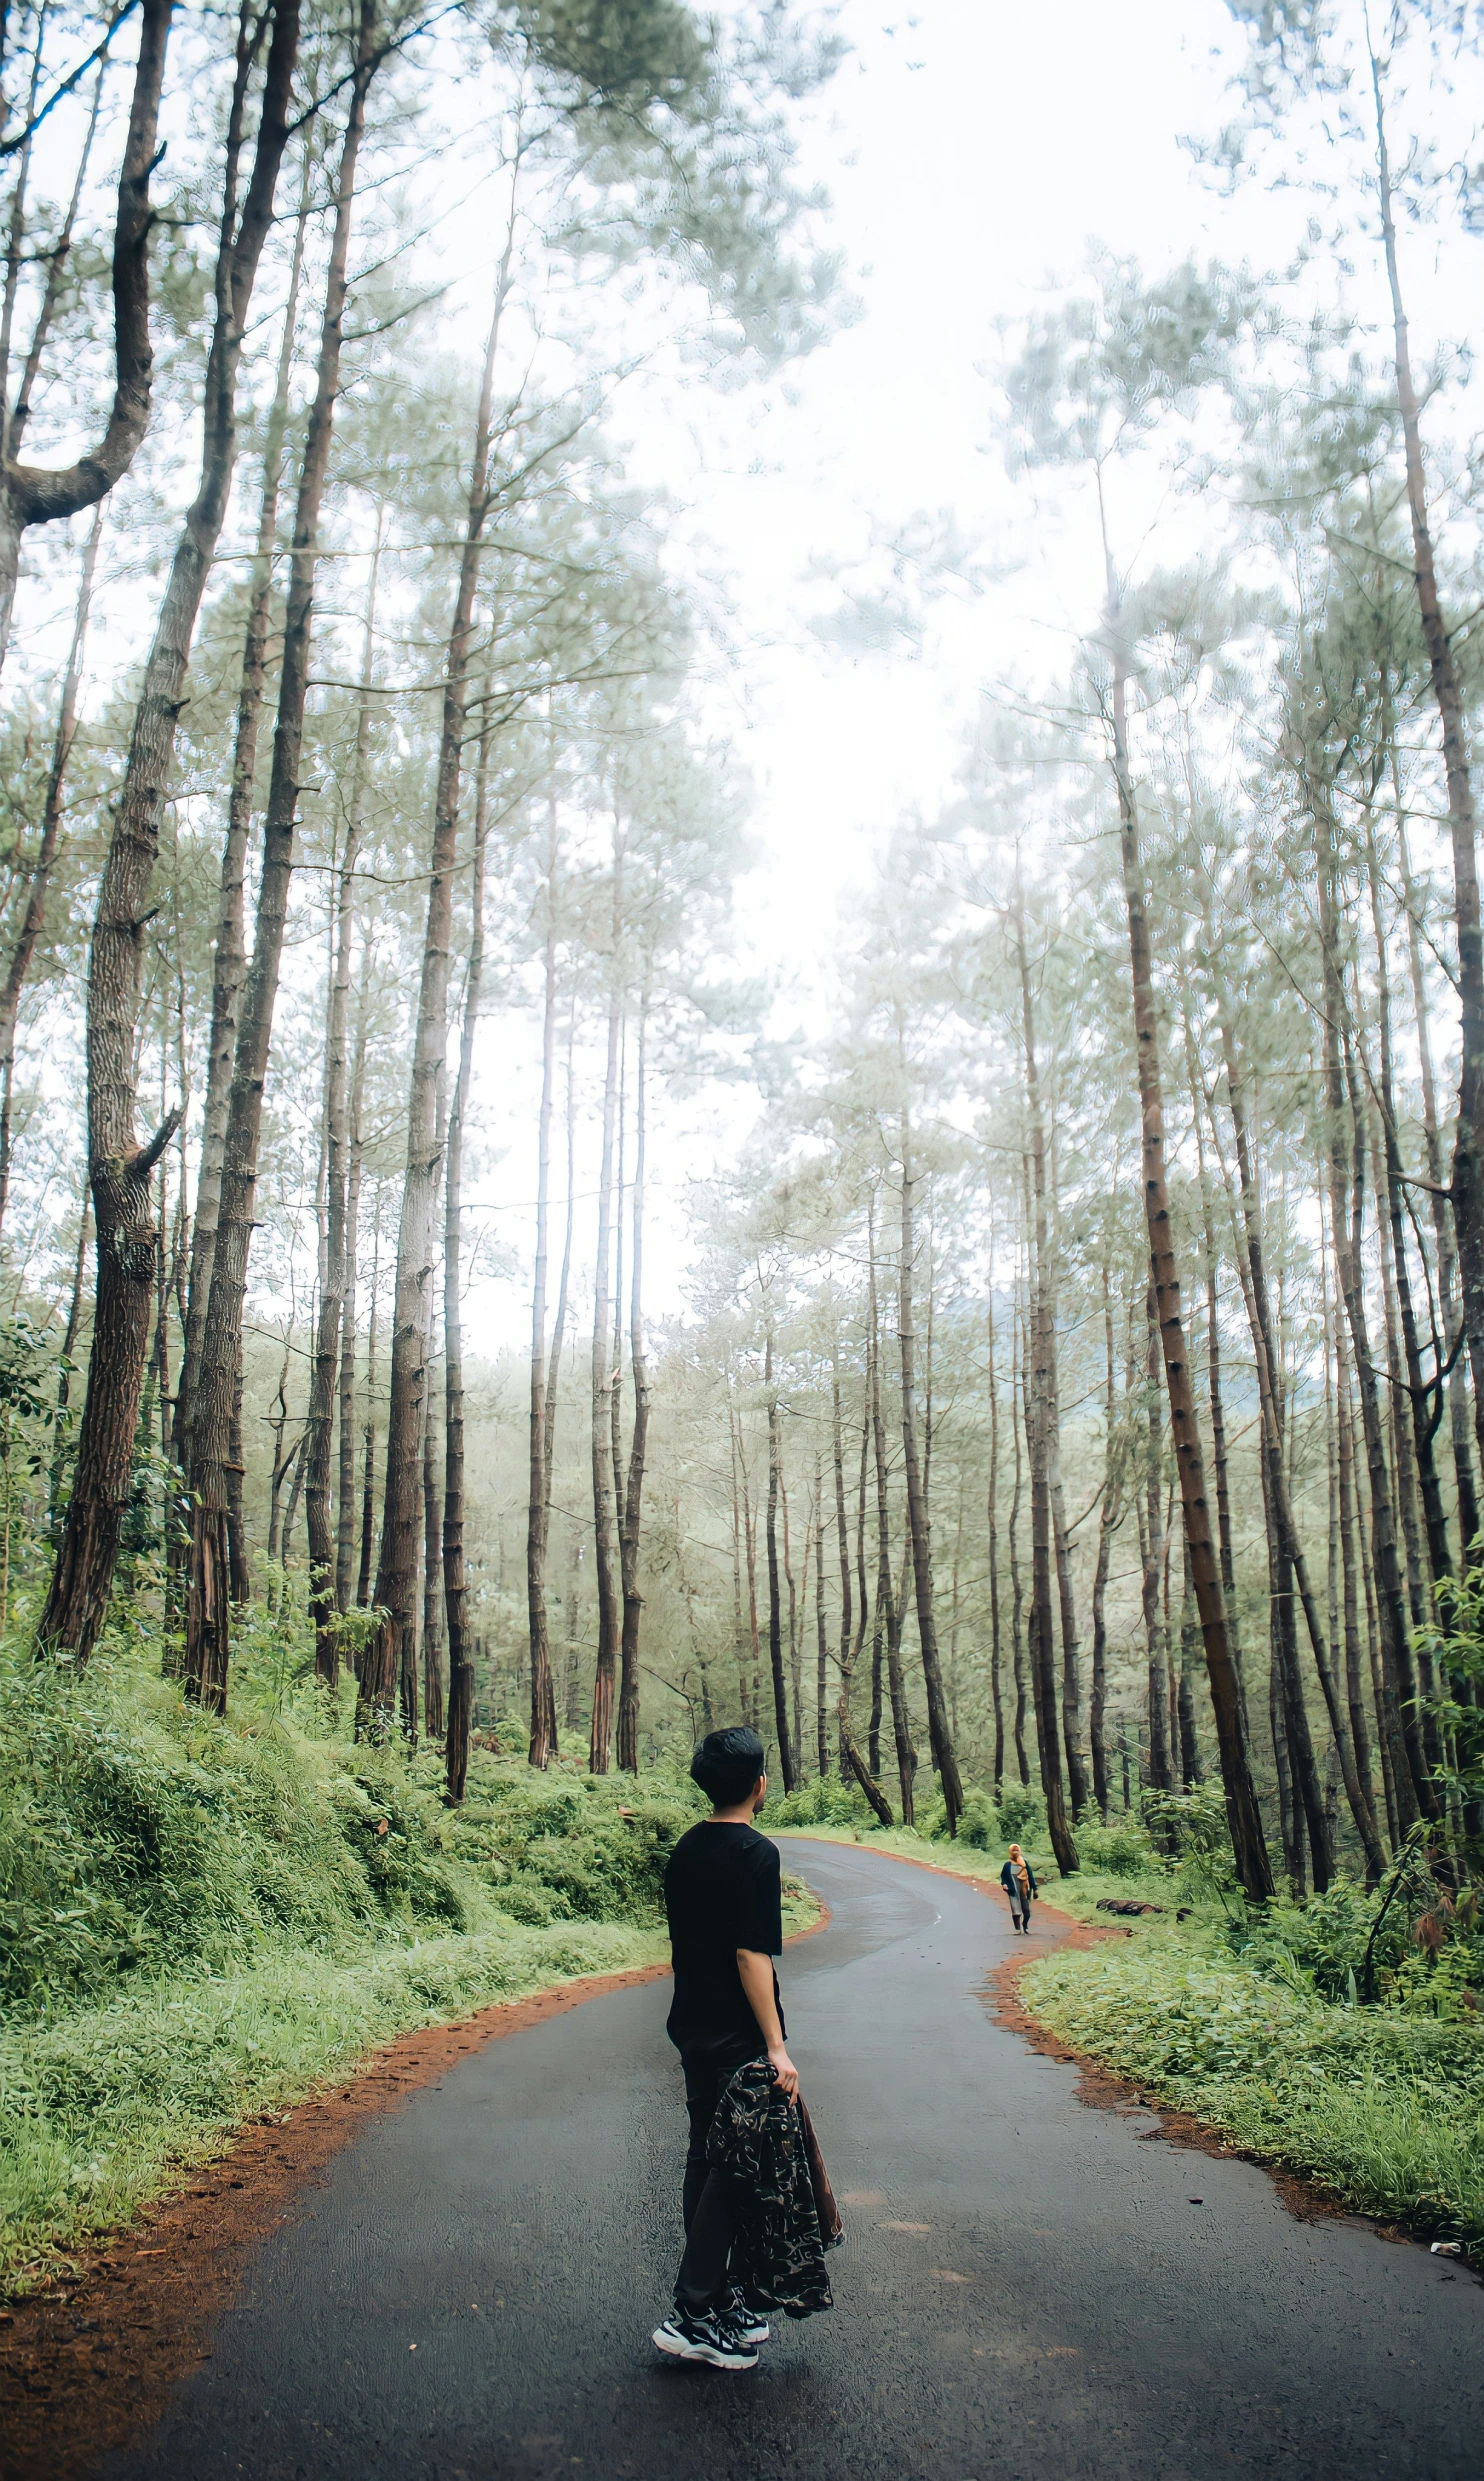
<point>758,2138</point>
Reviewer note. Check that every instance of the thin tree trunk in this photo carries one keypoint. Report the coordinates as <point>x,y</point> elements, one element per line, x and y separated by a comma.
<point>1244,1818</point>
<point>821,1634</point>
<point>606,1667</point>
<point>368,1475</point>
<point>208,1611</point>
<point>345,1508</point>
<point>888,1609</point>
<point>940,1732</point>
<point>1038,1440</point>
<point>1290,1562</point>
<point>543,1715</point>
<point>323,1600</point>
<point>1017,1588</point>
<point>996,1684</point>
<point>33,919</point>
<point>455,1580</point>
<point>229,955</point>
<point>1108,1521</point>
<point>32,495</point>
<point>1468,1156</point>
<point>786,1765</point>
<point>396,1577</point>
<point>1151,1550</point>
<point>633,1497</point>
<point>1412,1785</point>
<point>122,1168</point>
<point>842,1542</point>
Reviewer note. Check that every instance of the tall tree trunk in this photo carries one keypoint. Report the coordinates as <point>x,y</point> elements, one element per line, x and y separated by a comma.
<point>606,1668</point>
<point>1244,1818</point>
<point>208,1610</point>
<point>1038,1440</point>
<point>122,1168</point>
<point>821,1632</point>
<point>1414,1790</point>
<point>1468,1154</point>
<point>433,1699</point>
<point>33,495</point>
<point>1020,1399</point>
<point>323,1598</point>
<point>543,1705</point>
<point>345,1503</point>
<point>996,1683</point>
<point>633,1497</point>
<point>1441,1204</point>
<point>229,955</point>
<point>842,1542</point>
<point>33,918</point>
<point>775,1608</point>
<point>888,1613</point>
<point>851,1644</point>
<point>455,1579</point>
<point>368,1472</point>
<point>1290,1563</point>
<point>940,1733</point>
<point>1109,1519</point>
<point>396,1575</point>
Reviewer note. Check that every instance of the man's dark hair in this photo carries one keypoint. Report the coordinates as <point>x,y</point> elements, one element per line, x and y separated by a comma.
<point>727,1765</point>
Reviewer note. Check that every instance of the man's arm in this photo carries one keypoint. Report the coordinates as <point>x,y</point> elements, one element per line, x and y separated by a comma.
<point>757,1981</point>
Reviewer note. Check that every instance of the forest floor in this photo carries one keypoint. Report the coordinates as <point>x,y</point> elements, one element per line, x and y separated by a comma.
<point>1027,2284</point>
<point>1378,2110</point>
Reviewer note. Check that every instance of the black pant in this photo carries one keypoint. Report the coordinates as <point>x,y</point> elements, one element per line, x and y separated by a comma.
<point>711,2200</point>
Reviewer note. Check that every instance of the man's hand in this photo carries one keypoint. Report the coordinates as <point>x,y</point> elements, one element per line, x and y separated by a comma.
<point>783,2069</point>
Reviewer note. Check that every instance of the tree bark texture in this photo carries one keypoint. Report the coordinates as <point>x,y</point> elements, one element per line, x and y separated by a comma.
<point>939,1729</point>
<point>121,1167</point>
<point>455,1578</point>
<point>1244,1818</point>
<point>208,1607</point>
<point>387,1660</point>
<point>631,1517</point>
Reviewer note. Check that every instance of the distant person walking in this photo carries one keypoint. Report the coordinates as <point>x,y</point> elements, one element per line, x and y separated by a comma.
<point>758,2213</point>
<point>1019,1882</point>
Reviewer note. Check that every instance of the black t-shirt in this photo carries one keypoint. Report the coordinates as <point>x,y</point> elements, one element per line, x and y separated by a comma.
<point>721,1893</point>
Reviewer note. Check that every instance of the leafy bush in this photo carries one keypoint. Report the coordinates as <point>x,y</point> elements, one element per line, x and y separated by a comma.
<point>139,1836</point>
<point>831,1800</point>
<point>1122,1849</point>
<point>1022,1814</point>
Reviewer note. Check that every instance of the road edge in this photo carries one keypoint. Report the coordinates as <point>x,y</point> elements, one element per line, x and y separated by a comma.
<point>91,2365</point>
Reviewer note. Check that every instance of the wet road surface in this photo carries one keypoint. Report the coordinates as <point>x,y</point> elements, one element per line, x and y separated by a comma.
<point>1027,2292</point>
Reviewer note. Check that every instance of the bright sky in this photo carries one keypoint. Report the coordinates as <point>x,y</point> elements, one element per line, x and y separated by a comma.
<point>972,151</point>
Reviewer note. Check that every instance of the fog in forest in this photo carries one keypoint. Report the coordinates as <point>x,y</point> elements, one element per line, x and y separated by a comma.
<point>742,972</point>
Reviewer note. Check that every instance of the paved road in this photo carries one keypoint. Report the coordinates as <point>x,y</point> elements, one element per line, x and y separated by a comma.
<point>1027,2292</point>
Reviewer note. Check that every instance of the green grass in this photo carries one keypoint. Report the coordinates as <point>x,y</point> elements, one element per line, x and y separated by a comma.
<point>1384,2107</point>
<point>202,1920</point>
<point>102,2108</point>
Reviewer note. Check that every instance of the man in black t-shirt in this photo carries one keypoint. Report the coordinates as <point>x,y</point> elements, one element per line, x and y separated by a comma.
<point>726,1926</point>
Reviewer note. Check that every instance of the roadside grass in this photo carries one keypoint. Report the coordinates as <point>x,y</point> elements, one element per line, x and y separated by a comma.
<point>1385,2108</point>
<point>203,1920</point>
<point>102,2109</point>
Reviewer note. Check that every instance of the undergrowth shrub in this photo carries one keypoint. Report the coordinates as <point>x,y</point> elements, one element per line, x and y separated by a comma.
<point>1122,1849</point>
<point>139,1837</point>
<point>831,1800</point>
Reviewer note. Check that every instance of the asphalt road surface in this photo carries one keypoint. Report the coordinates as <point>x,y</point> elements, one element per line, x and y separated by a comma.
<point>1029,2288</point>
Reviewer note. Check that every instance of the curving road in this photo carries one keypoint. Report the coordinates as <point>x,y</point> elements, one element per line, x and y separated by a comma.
<point>1028,2291</point>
